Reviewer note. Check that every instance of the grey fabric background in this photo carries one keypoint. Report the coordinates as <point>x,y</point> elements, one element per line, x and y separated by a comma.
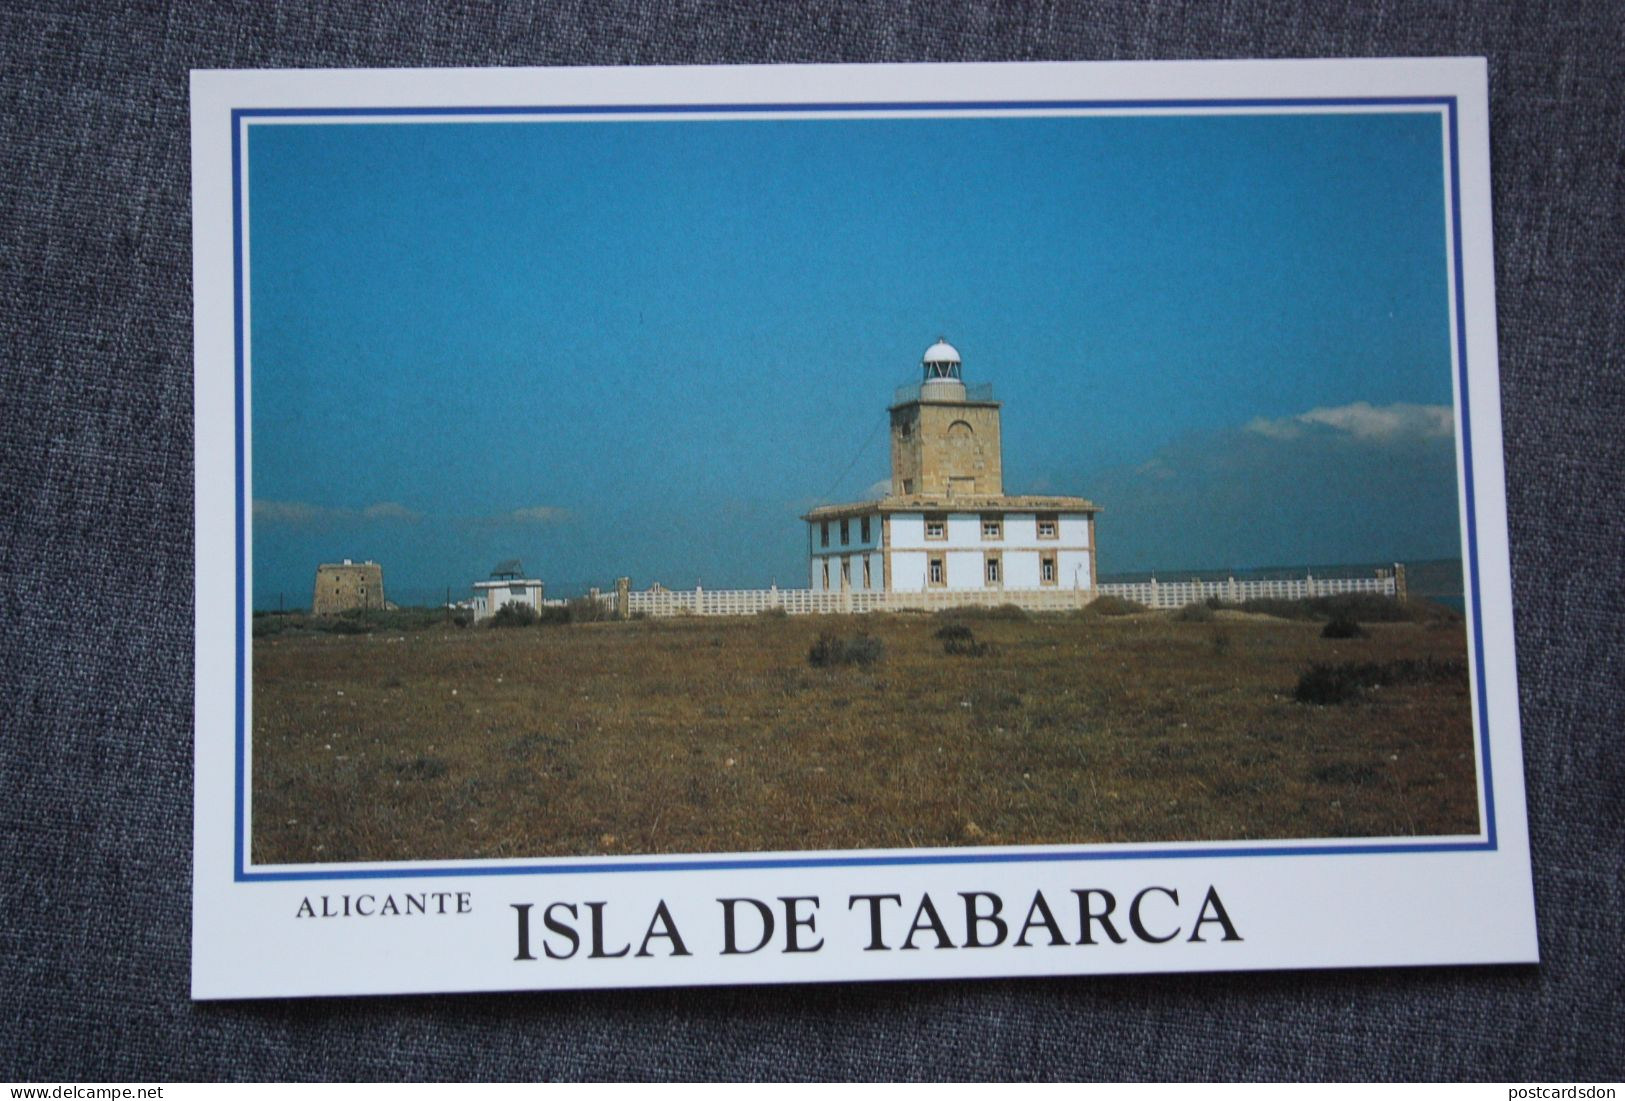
<point>95,533</point>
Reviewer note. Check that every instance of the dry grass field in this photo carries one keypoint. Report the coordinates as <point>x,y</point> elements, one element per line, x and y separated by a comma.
<point>707,735</point>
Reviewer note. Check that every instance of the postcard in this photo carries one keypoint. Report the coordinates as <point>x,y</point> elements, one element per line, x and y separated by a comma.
<point>685,526</point>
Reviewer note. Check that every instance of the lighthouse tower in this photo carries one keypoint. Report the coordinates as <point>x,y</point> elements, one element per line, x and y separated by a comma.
<point>945,436</point>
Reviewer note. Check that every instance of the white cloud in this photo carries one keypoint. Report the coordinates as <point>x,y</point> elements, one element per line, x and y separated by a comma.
<point>535,515</point>
<point>878,490</point>
<point>291,513</point>
<point>304,514</point>
<point>1364,421</point>
<point>390,510</point>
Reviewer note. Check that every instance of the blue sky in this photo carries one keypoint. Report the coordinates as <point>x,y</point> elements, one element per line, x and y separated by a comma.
<point>644,348</point>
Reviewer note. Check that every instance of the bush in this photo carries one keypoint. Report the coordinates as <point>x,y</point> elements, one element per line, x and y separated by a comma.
<point>1114,605</point>
<point>584,609</point>
<point>1000,611</point>
<point>345,626</point>
<point>514,614</point>
<point>1194,613</point>
<point>421,768</point>
<point>1342,627</point>
<point>1333,684</point>
<point>555,615</point>
<point>864,650</point>
<point>270,624</point>
<point>966,647</point>
<point>949,631</point>
<point>773,613</point>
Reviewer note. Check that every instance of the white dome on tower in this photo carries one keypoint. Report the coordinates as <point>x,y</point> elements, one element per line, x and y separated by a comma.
<point>940,366</point>
<point>941,352</point>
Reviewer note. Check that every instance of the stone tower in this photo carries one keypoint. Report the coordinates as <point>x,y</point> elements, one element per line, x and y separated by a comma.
<point>347,585</point>
<point>944,438</point>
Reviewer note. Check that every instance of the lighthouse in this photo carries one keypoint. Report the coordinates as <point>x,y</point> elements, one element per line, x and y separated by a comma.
<point>946,522</point>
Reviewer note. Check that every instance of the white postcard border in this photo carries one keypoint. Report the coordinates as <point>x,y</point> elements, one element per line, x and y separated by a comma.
<point>1292,904</point>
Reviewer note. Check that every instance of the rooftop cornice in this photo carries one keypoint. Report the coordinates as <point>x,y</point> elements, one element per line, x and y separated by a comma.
<point>918,503</point>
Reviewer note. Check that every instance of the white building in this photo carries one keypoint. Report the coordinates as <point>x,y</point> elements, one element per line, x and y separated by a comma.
<point>947,523</point>
<point>507,585</point>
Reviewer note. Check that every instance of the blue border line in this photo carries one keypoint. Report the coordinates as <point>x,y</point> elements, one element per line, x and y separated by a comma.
<point>243,874</point>
<point>820,108</point>
<point>241,670</point>
<point>1467,480</point>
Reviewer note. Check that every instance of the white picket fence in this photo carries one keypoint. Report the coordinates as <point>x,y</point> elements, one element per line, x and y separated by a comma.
<point>1177,594</point>
<point>1153,594</point>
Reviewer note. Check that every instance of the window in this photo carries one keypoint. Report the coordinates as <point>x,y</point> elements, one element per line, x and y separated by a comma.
<point>868,582</point>
<point>826,575</point>
<point>863,529</point>
<point>906,430</point>
<point>992,527</point>
<point>992,571</point>
<point>936,573</point>
<point>846,532</point>
<point>846,573</point>
<point>936,526</point>
<point>1047,525</point>
<point>908,486</point>
<point>1046,569</point>
<point>516,590</point>
<point>823,534</point>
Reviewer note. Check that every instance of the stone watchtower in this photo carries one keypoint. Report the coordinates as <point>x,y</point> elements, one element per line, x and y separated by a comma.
<point>347,585</point>
<point>945,436</point>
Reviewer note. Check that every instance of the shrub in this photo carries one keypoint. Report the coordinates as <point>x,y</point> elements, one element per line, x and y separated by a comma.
<point>270,624</point>
<point>1333,684</point>
<point>346,626</point>
<point>585,609</point>
<point>950,631</point>
<point>421,768</point>
<point>1194,613</point>
<point>966,647</point>
<point>1342,773</point>
<point>1114,605</point>
<point>1342,627</point>
<point>1001,611</point>
<point>773,613</point>
<point>829,650</point>
<point>514,614</point>
<point>554,615</point>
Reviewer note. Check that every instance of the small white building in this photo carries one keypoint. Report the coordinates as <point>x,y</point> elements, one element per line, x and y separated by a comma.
<point>947,523</point>
<point>506,585</point>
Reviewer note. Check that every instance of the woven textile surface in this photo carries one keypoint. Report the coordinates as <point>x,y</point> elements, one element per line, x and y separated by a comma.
<point>95,534</point>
